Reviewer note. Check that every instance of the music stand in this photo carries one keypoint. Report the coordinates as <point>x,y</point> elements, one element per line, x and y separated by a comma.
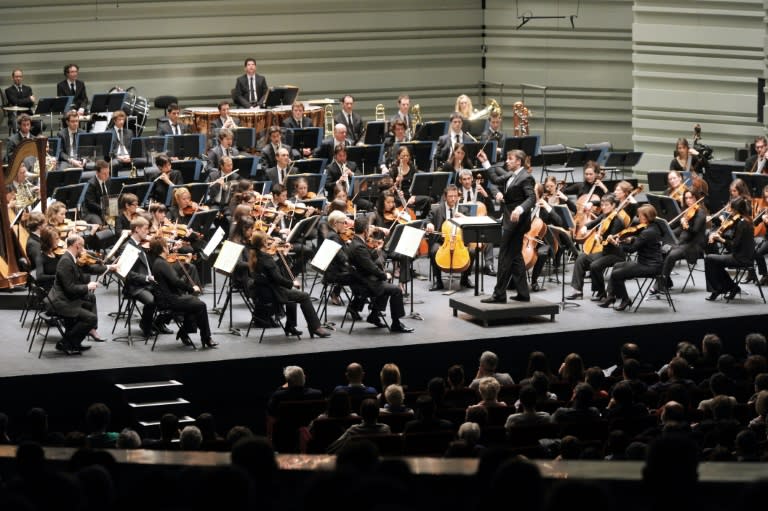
<point>245,166</point>
<point>667,234</point>
<point>281,96</point>
<point>245,138</point>
<point>59,178</point>
<point>324,256</point>
<point>71,195</point>
<point>50,106</point>
<point>666,207</point>
<point>189,169</point>
<point>262,187</point>
<point>115,185</point>
<point>298,234</point>
<point>404,241</point>
<point>304,138</point>
<point>366,156</point>
<point>422,153</point>
<point>472,148</point>
<point>197,192</point>
<point>185,146</point>
<point>309,166</point>
<point>430,131</point>
<point>140,190</point>
<point>755,182</point>
<point>529,144</point>
<point>315,182</point>
<point>565,215</point>
<point>475,127</point>
<point>368,186</point>
<point>87,141</point>
<point>202,221</point>
<point>107,103</point>
<point>478,229</point>
<point>431,184</point>
<point>375,131</point>
<point>146,147</point>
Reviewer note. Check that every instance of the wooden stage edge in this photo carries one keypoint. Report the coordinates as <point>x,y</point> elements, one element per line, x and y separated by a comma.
<point>486,312</point>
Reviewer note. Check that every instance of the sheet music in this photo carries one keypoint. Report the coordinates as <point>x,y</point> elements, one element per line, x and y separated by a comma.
<point>127,260</point>
<point>228,256</point>
<point>408,244</point>
<point>213,242</point>
<point>123,236</point>
<point>325,255</point>
<point>461,221</point>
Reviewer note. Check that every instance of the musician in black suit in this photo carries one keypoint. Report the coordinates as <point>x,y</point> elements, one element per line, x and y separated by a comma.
<point>24,133</point>
<point>376,280</point>
<point>168,176</point>
<point>265,271</point>
<point>171,125</point>
<point>350,119</point>
<point>757,162</point>
<point>224,148</point>
<point>72,297</point>
<point>140,280</point>
<point>121,142</point>
<point>438,214</point>
<point>269,150</point>
<point>251,88</point>
<point>328,145</point>
<point>224,120</point>
<point>98,187</point>
<point>68,155</point>
<point>403,114</point>
<point>519,197</point>
<point>21,95</point>
<point>282,168</point>
<point>297,119</point>
<point>35,224</point>
<point>493,132</point>
<point>454,136</point>
<point>339,171</point>
<point>71,86</point>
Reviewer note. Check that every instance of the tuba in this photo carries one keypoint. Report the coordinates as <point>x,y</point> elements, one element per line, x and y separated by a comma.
<point>520,116</point>
<point>329,120</point>
<point>485,113</point>
<point>380,116</point>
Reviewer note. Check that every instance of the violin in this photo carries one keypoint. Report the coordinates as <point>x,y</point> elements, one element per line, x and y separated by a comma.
<point>760,227</point>
<point>727,224</point>
<point>276,245</point>
<point>347,234</point>
<point>192,208</point>
<point>625,233</point>
<point>174,230</point>
<point>87,258</point>
<point>181,258</point>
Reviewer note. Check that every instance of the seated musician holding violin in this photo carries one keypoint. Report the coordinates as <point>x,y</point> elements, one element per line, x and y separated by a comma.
<point>56,216</point>
<point>691,236</point>
<point>676,187</point>
<point>166,178</point>
<point>47,257</point>
<point>761,240</point>
<point>438,215</point>
<point>288,215</point>
<point>737,234</point>
<point>72,297</point>
<point>178,238</point>
<point>644,238</point>
<point>177,295</point>
<point>339,272</point>
<point>127,206</point>
<point>183,207</point>
<point>265,272</point>
<point>600,258</point>
<point>375,279</point>
<point>383,220</point>
<point>473,192</point>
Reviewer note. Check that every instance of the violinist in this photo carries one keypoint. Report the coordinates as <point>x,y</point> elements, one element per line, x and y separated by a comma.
<point>623,194</point>
<point>183,206</point>
<point>375,280</point>
<point>384,219</point>
<point>473,192</point>
<point>180,250</point>
<point>399,135</point>
<point>608,223</point>
<point>737,188</point>
<point>174,293</point>
<point>553,194</point>
<point>339,202</point>
<point>224,148</point>
<point>441,212</point>
<point>72,297</point>
<point>588,195</point>
<point>737,234</point>
<point>301,191</point>
<point>691,236</point>
<point>676,187</point>
<point>643,238</point>
<point>167,177</point>
<point>56,215</point>
<point>761,240</point>
<point>285,222</point>
<point>127,205</point>
<point>549,216</point>
<point>47,258</point>
<point>139,281</point>
<point>265,272</point>
<point>339,273</point>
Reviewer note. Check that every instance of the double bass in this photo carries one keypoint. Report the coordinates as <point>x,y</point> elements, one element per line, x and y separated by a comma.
<point>10,248</point>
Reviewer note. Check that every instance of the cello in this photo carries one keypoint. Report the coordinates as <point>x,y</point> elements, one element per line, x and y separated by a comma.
<point>453,255</point>
<point>533,238</point>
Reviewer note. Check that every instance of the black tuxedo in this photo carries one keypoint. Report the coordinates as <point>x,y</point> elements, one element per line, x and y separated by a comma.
<point>216,154</point>
<point>751,165</point>
<point>269,157</point>
<point>160,188</point>
<point>164,128</point>
<point>333,173</point>
<point>70,298</point>
<point>19,98</point>
<point>445,144</point>
<point>80,96</point>
<point>241,94</point>
<point>168,292</point>
<point>354,129</point>
<point>64,154</point>
<point>275,178</point>
<point>12,142</point>
<point>213,192</point>
<point>123,137</point>
<point>375,279</point>
<point>93,213</point>
<point>291,123</point>
<point>285,293</point>
<point>327,147</point>
<point>138,287</point>
<point>217,124</point>
<point>518,191</point>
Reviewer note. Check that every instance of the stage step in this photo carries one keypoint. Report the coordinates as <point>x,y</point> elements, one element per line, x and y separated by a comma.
<point>146,402</point>
<point>150,390</point>
<point>183,421</point>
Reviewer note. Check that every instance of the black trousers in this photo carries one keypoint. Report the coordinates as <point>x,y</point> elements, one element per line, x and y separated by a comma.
<point>760,251</point>
<point>86,320</point>
<point>626,270</point>
<point>718,279</point>
<point>147,299</point>
<point>305,302</point>
<point>596,264</point>
<point>392,293</point>
<point>511,271</point>
<point>195,314</point>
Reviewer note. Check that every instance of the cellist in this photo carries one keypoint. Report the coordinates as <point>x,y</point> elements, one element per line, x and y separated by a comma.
<point>607,223</point>
<point>439,213</point>
<point>549,216</point>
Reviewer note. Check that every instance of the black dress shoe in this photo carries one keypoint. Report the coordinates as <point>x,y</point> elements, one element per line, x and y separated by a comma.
<point>293,331</point>
<point>598,297</point>
<point>354,315</point>
<point>607,302</point>
<point>184,338</point>
<point>375,320</point>
<point>162,328</point>
<point>320,332</point>
<point>65,348</point>
<point>208,343</point>
<point>763,280</point>
<point>437,286</point>
<point>623,305</point>
<point>712,297</point>
<point>96,339</point>
<point>535,287</point>
<point>489,271</point>
<point>399,327</point>
<point>467,284</point>
<point>733,292</point>
<point>81,348</point>
<point>578,295</point>
<point>520,298</point>
<point>494,299</point>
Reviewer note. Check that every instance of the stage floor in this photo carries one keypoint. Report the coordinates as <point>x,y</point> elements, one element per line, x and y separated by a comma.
<point>437,326</point>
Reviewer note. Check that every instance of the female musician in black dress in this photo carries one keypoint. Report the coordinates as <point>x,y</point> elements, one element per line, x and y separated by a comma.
<point>170,291</point>
<point>168,176</point>
<point>266,273</point>
<point>643,238</point>
<point>456,161</point>
<point>48,257</point>
<point>127,204</point>
<point>383,222</point>
<point>402,172</point>
<point>737,234</point>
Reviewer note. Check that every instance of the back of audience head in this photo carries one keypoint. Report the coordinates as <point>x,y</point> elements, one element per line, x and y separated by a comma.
<point>369,410</point>
<point>237,433</point>
<point>755,344</point>
<point>128,439</point>
<point>389,375</point>
<point>294,376</point>
<point>97,418</point>
<point>528,397</point>
<point>191,438</point>
<point>339,404</point>
<point>456,376</point>
<point>255,455</point>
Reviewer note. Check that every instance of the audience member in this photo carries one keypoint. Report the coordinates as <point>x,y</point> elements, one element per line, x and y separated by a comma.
<point>489,362</point>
